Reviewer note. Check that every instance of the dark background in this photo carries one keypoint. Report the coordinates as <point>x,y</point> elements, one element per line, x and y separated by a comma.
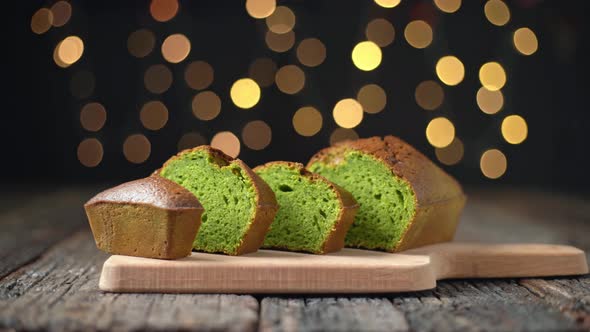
<point>40,118</point>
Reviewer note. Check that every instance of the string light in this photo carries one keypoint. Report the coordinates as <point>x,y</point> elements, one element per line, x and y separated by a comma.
<point>141,43</point>
<point>307,121</point>
<point>90,152</point>
<point>157,79</point>
<point>497,12</point>
<point>93,116</point>
<point>68,51</point>
<point>514,129</point>
<point>448,6</point>
<point>380,31</point>
<point>493,163</point>
<point>489,102</point>
<point>290,79</point>
<point>198,75</point>
<point>492,76</point>
<point>418,34</point>
<point>263,71</point>
<point>372,97</point>
<point>348,113</point>
<point>282,20</point>
<point>190,140</point>
<point>452,154</point>
<point>163,10</point>
<point>137,148</point>
<point>176,48</point>
<point>154,115</point>
<point>41,21</point>
<point>311,52</point>
<point>260,8</point>
<point>440,132</point>
<point>245,93</point>
<point>256,135</point>
<point>429,95</point>
<point>227,142</point>
<point>525,41</point>
<point>62,11</point>
<point>387,3</point>
<point>366,56</point>
<point>280,42</point>
<point>342,134</point>
<point>450,70</point>
<point>206,105</point>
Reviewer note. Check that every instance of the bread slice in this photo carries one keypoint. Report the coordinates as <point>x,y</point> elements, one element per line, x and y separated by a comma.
<point>239,205</point>
<point>406,200</point>
<point>151,217</point>
<point>315,214</point>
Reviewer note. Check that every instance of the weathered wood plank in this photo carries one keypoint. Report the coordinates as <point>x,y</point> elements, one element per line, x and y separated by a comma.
<point>59,292</point>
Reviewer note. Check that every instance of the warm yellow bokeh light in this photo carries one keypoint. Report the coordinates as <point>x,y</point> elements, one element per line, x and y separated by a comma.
<point>440,132</point>
<point>41,21</point>
<point>260,8</point>
<point>342,134</point>
<point>387,3</point>
<point>157,79</point>
<point>206,105</point>
<point>418,34</point>
<point>198,75</point>
<point>450,70</point>
<point>372,97</point>
<point>380,31</point>
<point>282,20</point>
<point>452,154</point>
<point>525,41</point>
<point>191,140</point>
<point>263,71</point>
<point>245,93</point>
<point>82,84</point>
<point>68,51</point>
<point>137,148</point>
<point>366,55</point>
<point>492,76</point>
<point>307,121</point>
<point>311,52</point>
<point>280,42</point>
<point>290,79</point>
<point>348,113</point>
<point>93,116</point>
<point>489,102</point>
<point>256,135</point>
<point>62,11</point>
<point>514,129</point>
<point>497,12</point>
<point>176,48</point>
<point>141,43</point>
<point>227,142</point>
<point>163,10</point>
<point>90,152</point>
<point>154,115</point>
<point>429,95</point>
<point>448,6</point>
<point>493,163</point>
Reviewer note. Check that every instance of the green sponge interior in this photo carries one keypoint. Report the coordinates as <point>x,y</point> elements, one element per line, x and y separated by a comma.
<point>387,203</point>
<point>308,209</point>
<point>226,193</point>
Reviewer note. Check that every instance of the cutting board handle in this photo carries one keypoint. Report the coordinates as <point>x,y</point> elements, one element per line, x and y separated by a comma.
<point>466,260</point>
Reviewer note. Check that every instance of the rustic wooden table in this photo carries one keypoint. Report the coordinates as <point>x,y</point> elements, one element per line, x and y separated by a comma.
<point>49,269</point>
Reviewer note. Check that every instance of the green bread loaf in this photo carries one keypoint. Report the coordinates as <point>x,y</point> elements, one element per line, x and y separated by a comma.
<point>405,200</point>
<point>239,206</point>
<point>314,214</point>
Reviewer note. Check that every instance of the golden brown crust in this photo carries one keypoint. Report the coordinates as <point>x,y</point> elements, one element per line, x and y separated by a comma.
<point>266,203</point>
<point>348,204</point>
<point>151,217</point>
<point>437,194</point>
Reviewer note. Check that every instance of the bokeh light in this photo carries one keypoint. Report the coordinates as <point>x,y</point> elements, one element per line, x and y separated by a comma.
<point>163,10</point>
<point>450,70</point>
<point>493,163</point>
<point>448,6</point>
<point>366,55</point>
<point>492,76</point>
<point>525,41</point>
<point>440,132</point>
<point>307,121</point>
<point>380,31</point>
<point>489,102</point>
<point>280,42</point>
<point>68,51</point>
<point>342,134</point>
<point>387,3</point>
<point>260,8</point>
<point>372,97</point>
<point>93,116</point>
<point>227,142</point>
<point>514,129</point>
<point>141,43</point>
<point>191,140</point>
<point>157,79</point>
<point>62,12</point>
<point>41,21</point>
<point>451,154</point>
<point>348,113</point>
<point>206,105</point>
<point>311,52</point>
<point>90,152</point>
<point>497,12</point>
<point>82,84</point>
<point>137,148</point>
<point>176,48</point>
<point>418,34</point>
<point>154,115</point>
<point>198,75</point>
<point>263,71</point>
<point>245,93</point>
<point>290,79</point>
<point>282,20</point>
<point>429,95</point>
<point>256,135</point>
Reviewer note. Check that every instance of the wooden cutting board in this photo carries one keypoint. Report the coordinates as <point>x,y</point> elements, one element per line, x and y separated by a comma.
<point>347,271</point>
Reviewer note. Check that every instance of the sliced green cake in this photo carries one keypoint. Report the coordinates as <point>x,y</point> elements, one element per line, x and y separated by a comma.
<point>314,214</point>
<point>405,200</point>
<point>239,206</point>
